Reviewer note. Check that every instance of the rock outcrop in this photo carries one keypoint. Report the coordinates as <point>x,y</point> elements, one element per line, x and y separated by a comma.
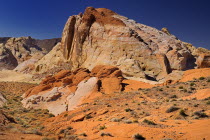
<point>27,51</point>
<point>23,48</point>
<point>65,90</point>
<point>7,59</point>
<point>201,55</point>
<point>51,60</point>
<point>4,39</point>
<point>47,44</point>
<point>2,100</point>
<point>100,36</point>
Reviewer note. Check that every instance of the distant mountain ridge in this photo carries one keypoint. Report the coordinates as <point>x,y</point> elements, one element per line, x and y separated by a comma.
<point>46,44</point>
<point>14,51</point>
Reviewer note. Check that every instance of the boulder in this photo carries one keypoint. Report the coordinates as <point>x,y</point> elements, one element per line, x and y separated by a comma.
<point>62,74</point>
<point>111,85</point>
<point>102,71</point>
<point>203,61</point>
<point>84,89</point>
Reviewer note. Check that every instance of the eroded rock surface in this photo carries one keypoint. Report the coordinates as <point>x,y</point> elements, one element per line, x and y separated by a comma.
<point>101,36</point>
<point>66,90</point>
<point>7,59</point>
<point>2,100</point>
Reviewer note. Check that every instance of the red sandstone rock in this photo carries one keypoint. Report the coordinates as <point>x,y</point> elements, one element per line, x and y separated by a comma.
<point>111,85</point>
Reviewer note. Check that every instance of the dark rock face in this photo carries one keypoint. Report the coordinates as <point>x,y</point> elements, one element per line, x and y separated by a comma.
<point>7,59</point>
<point>4,39</point>
<point>47,44</point>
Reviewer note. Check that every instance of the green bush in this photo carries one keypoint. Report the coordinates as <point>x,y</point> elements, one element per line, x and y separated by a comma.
<point>201,78</point>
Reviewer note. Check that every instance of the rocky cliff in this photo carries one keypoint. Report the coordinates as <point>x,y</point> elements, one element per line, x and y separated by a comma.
<point>7,59</point>
<point>23,51</point>
<point>47,44</point>
<point>101,36</point>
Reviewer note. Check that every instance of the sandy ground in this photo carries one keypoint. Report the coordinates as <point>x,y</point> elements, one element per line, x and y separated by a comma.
<point>195,73</point>
<point>12,76</point>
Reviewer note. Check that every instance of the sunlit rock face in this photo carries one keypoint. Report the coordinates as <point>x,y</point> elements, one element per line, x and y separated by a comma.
<point>100,36</point>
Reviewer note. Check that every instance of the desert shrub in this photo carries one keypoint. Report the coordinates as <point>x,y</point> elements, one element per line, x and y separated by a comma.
<point>208,80</point>
<point>88,116</point>
<point>192,84</point>
<point>128,110</point>
<point>149,122</point>
<point>37,132</point>
<point>200,114</point>
<point>173,96</point>
<point>191,88</point>
<point>185,90</point>
<point>26,126</point>
<point>102,127</point>
<point>71,137</point>
<point>181,87</point>
<point>109,106</point>
<point>135,121</point>
<point>182,113</point>
<point>69,128</point>
<point>128,121</point>
<point>62,131</point>
<point>201,78</point>
<point>195,105</point>
<point>106,134</point>
<point>208,102</point>
<point>171,109</point>
<point>51,115</point>
<point>84,134</point>
<point>138,137</point>
<point>45,138</point>
<point>160,89</point>
<point>115,120</point>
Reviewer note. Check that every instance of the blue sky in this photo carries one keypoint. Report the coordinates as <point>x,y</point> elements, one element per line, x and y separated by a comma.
<point>189,20</point>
